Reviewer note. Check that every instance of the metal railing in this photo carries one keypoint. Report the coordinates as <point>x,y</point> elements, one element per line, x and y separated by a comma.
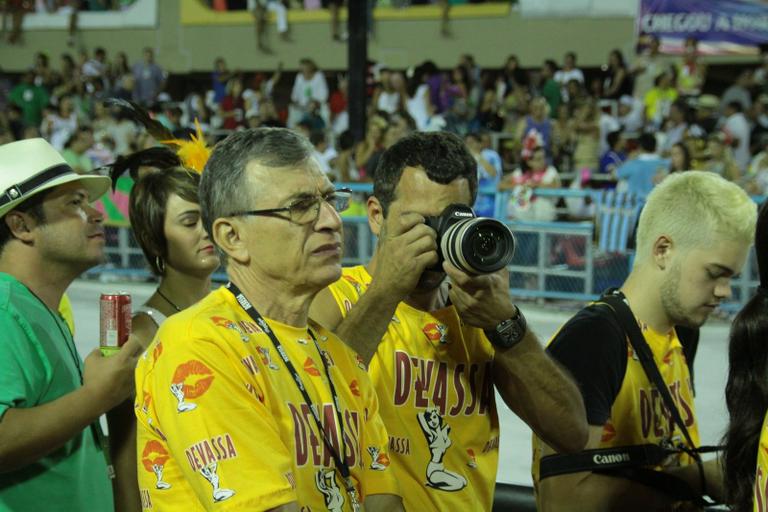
<point>559,260</point>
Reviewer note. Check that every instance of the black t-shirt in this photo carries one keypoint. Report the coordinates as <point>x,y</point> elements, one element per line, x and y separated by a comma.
<point>592,346</point>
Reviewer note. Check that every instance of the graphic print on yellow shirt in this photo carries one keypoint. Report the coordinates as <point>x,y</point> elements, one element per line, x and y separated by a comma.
<point>434,379</point>
<point>638,414</point>
<point>221,424</point>
<point>760,499</point>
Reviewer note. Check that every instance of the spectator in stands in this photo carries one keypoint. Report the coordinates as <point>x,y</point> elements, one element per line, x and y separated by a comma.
<point>706,112</point>
<point>691,73</point>
<point>30,98</point>
<point>576,94</point>
<point>550,89</point>
<point>615,156</point>
<point>455,98</point>
<point>631,115</point>
<point>324,153</point>
<point>693,237</point>
<point>309,85</point>
<point>58,126</point>
<point>536,124</point>
<point>760,77</point>
<point>675,126</point>
<point>562,138</point>
<point>16,9</point>
<point>421,175</point>
<point>97,67</point>
<point>149,79</point>
<point>679,158</point>
<point>371,147</point>
<point>534,173</point>
<point>260,8</point>
<point>120,72</point>
<point>232,108</point>
<point>618,79</point>
<point>386,94</point>
<point>337,105</point>
<point>76,150</point>
<point>334,7</point>
<point>220,76</point>
<point>585,130</point>
<point>513,77</point>
<point>44,76</point>
<point>658,100</point>
<point>418,101</point>
<point>648,65</point>
<point>489,171</point>
<point>739,91</point>
<point>568,72</point>
<point>487,114</point>
<point>721,159</point>
<point>737,129</point>
<point>640,170</point>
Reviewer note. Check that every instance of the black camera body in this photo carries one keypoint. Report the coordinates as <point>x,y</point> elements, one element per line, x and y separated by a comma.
<point>475,245</point>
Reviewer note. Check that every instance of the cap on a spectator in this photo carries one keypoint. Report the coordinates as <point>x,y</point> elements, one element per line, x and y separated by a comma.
<point>708,101</point>
<point>627,100</point>
<point>31,166</point>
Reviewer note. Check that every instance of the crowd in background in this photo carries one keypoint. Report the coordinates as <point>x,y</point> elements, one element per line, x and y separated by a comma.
<point>625,125</point>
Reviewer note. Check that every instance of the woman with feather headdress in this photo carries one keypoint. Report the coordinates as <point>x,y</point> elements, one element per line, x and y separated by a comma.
<point>164,213</point>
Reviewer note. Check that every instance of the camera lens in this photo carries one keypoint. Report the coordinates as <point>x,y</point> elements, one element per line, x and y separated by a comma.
<point>478,246</point>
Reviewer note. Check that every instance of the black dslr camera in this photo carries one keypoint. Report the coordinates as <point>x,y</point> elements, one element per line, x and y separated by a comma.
<point>475,245</point>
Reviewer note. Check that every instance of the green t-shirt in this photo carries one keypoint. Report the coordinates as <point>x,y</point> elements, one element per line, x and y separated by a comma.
<point>39,364</point>
<point>31,99</point>
<point>551,92</point>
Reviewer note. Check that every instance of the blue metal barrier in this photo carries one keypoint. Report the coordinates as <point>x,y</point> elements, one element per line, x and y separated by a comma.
<point>553,260</point>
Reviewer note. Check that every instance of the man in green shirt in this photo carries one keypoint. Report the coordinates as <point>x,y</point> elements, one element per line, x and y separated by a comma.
<point>550,89</point>
<point>31,99</point>
<point>51,445</point>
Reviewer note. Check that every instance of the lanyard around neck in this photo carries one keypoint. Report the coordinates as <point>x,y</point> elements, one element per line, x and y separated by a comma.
<point>339,459</point>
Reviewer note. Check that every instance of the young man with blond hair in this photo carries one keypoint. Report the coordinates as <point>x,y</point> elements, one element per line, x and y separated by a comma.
<point>693,237</point>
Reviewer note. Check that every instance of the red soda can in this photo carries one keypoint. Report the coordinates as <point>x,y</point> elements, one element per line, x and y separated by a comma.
<point>114,321</point>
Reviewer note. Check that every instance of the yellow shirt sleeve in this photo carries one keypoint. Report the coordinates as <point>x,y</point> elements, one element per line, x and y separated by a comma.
<point>221,435</point>
<point>65,309</point>
<point>760,500</point>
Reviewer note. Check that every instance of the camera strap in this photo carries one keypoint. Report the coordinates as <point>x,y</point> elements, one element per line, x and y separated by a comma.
<point>338,458</point>
<point>628,461</point>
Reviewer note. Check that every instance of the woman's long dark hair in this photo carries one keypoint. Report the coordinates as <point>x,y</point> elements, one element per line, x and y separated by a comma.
<point>746,393</point>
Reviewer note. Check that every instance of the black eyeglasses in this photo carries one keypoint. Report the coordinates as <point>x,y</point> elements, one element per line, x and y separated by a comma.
<point>305,210</point>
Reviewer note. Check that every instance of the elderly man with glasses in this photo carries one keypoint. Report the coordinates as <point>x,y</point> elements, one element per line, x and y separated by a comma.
<point>241,400</point>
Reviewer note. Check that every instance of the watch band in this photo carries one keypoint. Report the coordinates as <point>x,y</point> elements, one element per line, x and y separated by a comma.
<point>509,332</point>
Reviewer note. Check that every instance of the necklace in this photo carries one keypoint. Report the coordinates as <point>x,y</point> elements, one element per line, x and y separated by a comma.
<point>177,308</point>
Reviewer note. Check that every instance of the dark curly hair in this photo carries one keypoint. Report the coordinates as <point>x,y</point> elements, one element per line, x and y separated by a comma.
<point>746,392</point>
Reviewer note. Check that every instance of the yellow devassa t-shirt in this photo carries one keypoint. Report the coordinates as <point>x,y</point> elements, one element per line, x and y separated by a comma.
<point>760,501</point>
<point>434,379</point>
<point>638,414</point>
<point>222,425</point>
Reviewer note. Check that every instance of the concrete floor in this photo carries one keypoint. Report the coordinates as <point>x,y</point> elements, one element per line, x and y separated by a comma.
<point>515,449</point>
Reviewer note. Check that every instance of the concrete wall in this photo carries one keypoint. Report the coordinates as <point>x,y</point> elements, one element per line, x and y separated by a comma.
<point>400,41</point>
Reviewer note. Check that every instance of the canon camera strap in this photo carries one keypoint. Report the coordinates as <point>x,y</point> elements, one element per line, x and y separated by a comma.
<point>628,461</point>
<point>339,459</point>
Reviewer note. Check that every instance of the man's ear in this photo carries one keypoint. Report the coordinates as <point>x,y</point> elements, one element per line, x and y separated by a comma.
<point>375,215</point>
<point>21,225</point>
<point>230,236</point>
<point>662,252</point>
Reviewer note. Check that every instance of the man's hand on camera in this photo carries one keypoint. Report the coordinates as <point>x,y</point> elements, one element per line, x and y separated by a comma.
<point>406,247</point>
<point>482,301</point>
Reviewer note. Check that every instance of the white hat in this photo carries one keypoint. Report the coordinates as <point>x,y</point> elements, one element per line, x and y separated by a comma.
<point>31,166</point>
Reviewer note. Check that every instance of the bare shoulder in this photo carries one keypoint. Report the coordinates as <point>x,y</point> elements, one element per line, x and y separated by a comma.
<point>144,328</point>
